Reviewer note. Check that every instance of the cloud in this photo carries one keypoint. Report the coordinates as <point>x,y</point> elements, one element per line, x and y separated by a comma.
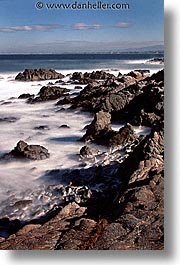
<point>123,25</point>
<point>83,26</point>
<point>41,27</point>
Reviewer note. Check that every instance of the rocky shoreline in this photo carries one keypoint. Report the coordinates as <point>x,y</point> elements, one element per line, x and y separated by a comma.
<point>117,201</point>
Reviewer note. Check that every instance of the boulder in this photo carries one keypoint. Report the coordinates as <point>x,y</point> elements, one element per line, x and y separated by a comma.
<point>125,135</point>
<point>25,151</point>
<point>87,152</point>
<point>25,96</point>
<point>100,126</point>
<point>38,75</point>
<point>49,93</point>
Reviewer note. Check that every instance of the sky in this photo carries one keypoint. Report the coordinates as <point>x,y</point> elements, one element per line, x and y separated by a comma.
<point>29,26</point>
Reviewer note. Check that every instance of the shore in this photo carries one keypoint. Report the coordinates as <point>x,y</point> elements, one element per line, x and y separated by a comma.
<point>110,193</point>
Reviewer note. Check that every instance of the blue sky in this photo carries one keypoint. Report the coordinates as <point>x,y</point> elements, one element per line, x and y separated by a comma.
<point>26,29</point>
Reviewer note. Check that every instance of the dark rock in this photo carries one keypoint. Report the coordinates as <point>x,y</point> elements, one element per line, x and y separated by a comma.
<point>86,78</point>
<point>25,96</point>
<point>157,77</point>
<point>25,151</point>
<point>156,60</point>
<point>87,152</point>
<point>78,87</point>
<point>8,119</point>
<point>41,127</point>
<point>100,126</point>
<point>125,135</point>
<point>64,126</point>
<point>65,100</point>
<point>38,74</point>
<point>59,82</point>
<point>49,93</point>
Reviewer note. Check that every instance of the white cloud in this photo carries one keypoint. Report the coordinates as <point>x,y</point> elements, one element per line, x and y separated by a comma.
<point>123,25</point>
<point>47,27</point>
<point>83,26</point>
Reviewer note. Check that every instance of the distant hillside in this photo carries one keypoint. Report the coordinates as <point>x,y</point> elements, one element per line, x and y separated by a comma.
<point>153,48</point>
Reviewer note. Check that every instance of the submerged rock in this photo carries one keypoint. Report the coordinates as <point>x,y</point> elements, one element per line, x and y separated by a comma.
<point>25,151</point>
<point>8,119</point>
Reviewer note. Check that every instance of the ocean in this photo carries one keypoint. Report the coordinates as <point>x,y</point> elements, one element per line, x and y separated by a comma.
<point>125,61</point>
<point>24,181</point>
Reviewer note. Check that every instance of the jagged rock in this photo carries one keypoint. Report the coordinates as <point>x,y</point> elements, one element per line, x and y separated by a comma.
<point>86,152</point>
<point>38,74</point>
<point>100,126</point>
<point>95,75</point>
<point>125,135</point>
<point>25,96</point>
<point>25,151</point>
<point>65,100</point>
<point>49,93</point>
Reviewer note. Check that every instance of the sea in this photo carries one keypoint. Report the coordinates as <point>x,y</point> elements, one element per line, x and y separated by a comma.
<point>25,181</point>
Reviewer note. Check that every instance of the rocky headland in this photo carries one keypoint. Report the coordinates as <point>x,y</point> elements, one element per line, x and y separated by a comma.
<point>117,201</point>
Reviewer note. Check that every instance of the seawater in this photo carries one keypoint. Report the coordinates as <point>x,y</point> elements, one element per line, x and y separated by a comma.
<point>13,63</point>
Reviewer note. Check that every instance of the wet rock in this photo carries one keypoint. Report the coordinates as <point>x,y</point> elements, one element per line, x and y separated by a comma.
<point>8,119</point>
<point>125,135</point>
<point>49,93</point>
<point>26,96</point>
<point>100,126</point>
<point>86,152</point>
<point>38,74</point>
<point>25,151</point>
<point>65,100</point>
<point>42,127</point>
<point>87,77</point>
<point>64,126</point>
<point>156,60</point>
<point>78,87</point>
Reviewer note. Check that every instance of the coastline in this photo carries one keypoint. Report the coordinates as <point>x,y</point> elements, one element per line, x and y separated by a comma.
<point>73,205</point>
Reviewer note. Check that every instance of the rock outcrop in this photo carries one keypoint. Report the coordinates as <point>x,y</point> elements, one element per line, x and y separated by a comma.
<point>38,75</point>
<point>49,93</point>
<point>25,151</point>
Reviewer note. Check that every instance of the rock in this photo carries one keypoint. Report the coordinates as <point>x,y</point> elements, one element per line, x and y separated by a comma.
<point>65,100</point>
<point>157,77</point>
<point>100,126</point>
<point>38,74</point>
<point>125,135</point>
<point>87,152</point>
<point>78,87</point>
<point>42,127</point>
<point>64,126</point>
<point>124,215</point>
<point>49,93</point>
<point>25,151</point>
<point>156,60</point>
<point>8,119</point>
<point>25,96</point>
